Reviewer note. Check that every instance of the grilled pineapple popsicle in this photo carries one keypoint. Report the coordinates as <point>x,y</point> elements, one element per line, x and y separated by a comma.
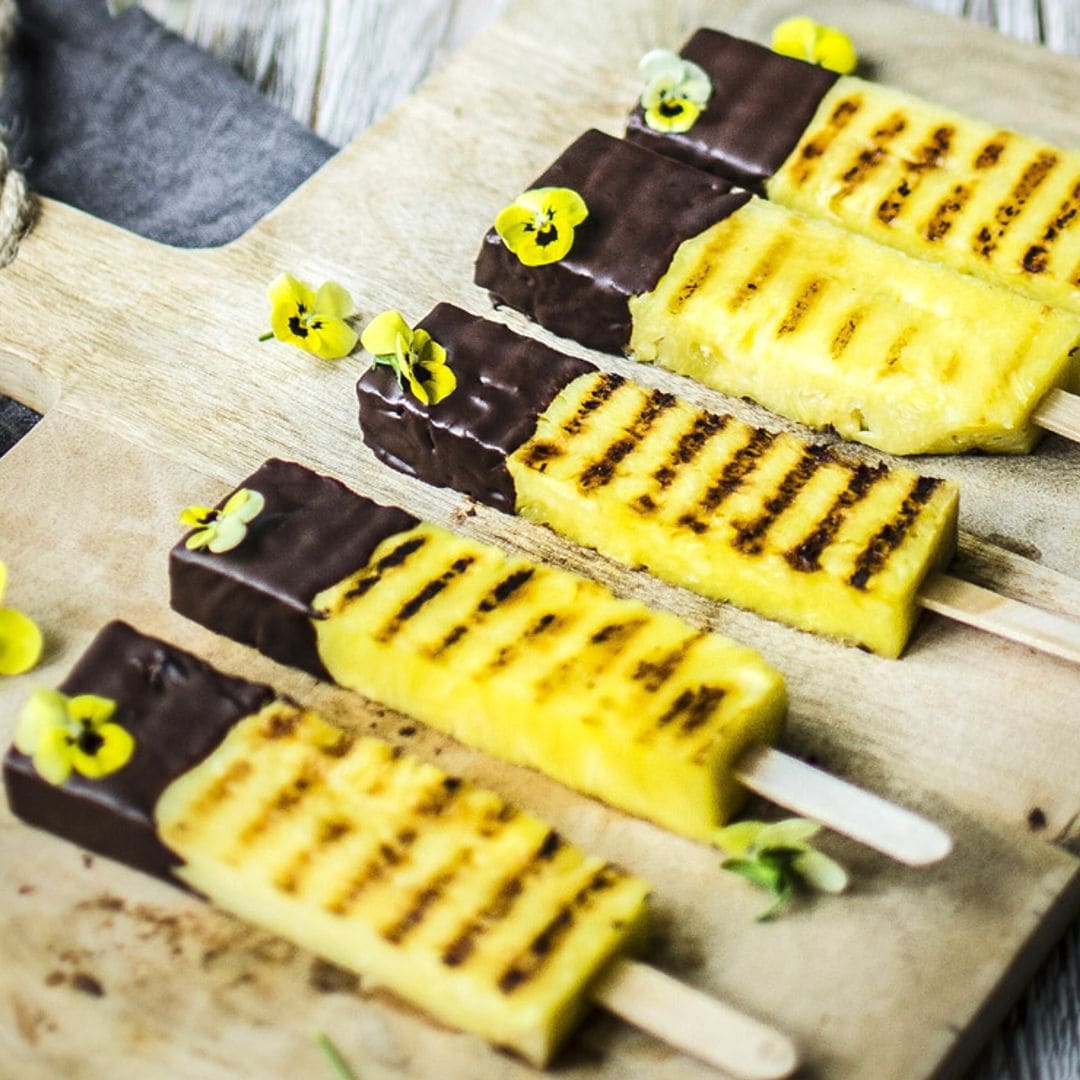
<point>785,528</point>
<point>532,664</point>
<point>885,164</point>
<point>756,300</point>
<point>479,913</point>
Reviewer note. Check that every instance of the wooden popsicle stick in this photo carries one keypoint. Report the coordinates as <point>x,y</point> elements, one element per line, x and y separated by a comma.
<point>901,834</point>
<point>695,1023</point>
<point>1059,412</point>
<point>1012,619</point>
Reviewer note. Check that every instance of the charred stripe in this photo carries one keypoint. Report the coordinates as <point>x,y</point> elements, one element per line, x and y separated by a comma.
<point>742,463</point>
<point>392,559</point>
<point>891,535</point>
<point>601,472</point>
<point>817,146</point>
<point>428,593</point>
<point>604,385</point>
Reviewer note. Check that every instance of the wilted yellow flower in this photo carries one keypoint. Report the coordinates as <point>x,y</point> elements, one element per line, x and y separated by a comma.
<point>62,734</point>
<point>805,39</point>
<point>538,226</point>
<point>20,639</point>
<point>313,321</point>
<point>413,356</point>
<point>676,90</point>
<point>222,530</point>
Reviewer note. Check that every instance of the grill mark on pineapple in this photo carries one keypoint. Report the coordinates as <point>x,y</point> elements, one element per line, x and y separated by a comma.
<point>531,961</point>
<point>537,454</point>
<point>868,160</point>
<point>817,146</point>
<point>806,555</point>
<point>604,386</point>
<point>842,338</point>
<point>765,268</point>
<point>801,306</point>
<point>706,265</point>
<point>1036,259</point>
<point>512,652</point>
<point>892,363</point>
<point>387,855</point>
<point>990,154</point>
<point>929,156</point>
<point>397,557</point>
<point>333,830</point>
<point>750,535</point>
<point>601,472</point>
<point>609,640</point>
<point>743,462</point>
<point>890,536</point>
<point>987,237</point>
<point>220,790</point>
<point>692,708</point>
<point>424,596</point>
<point>499,906</point>
<point>946,212</point>
<point>281,805</point>
<point>652,674</point>
<point>427,897</point>
<point>509,586</point>
<point>688,447</point>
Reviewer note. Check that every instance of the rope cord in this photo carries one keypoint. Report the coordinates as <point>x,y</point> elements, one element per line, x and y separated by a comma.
<point>16,202</point>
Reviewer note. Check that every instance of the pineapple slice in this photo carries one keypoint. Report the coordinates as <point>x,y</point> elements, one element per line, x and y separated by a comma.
<point>543,668</point>
<point>943,186</point>
<point>378,862</point>
<point>786,529</point>
<point>837,331</point>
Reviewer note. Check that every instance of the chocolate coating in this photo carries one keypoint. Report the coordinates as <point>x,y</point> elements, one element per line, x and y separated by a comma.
<point>504,382</point>
<point>177,707</point>
<point>312,532</point>
<point>642,206</point>
<point>760,106</point>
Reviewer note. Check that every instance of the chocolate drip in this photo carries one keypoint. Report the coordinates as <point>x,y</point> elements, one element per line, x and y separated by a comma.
<point>761,104</point>
<point>177,707</point>
<point>642,206</point>
<point>504,382</point>
<point>312,533</point>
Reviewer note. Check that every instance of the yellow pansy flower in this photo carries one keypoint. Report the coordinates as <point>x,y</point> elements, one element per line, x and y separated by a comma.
<point>20,639</point>
<point>413,356</point>
<point>310,320</point>
<point>222,530</point>
<point>62,734</point>
<point>805,39</point>
<point>538,226</point>
<point>676,90</point>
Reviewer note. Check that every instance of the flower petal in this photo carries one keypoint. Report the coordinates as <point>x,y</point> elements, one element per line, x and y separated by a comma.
<point>660,63</point>
<point>287,325</point>
<point>835,51</point>
<point>695,83</point>
<point>44,710</point>
<point>200,539</point>
<point>381,334</point>
<point>438,380</point>
<point>795,37</point>
<point>115,750</point>
<point>419,391</point>
<point>673,115</point>
<point>821,872</point>
<point>516,225</point>
<point>244,505</point>
<point>91,707</point>
<point>3,580</point>
<point>331,339</point>
<point>52,756</point>
<point>20,642</point>
<point>333,300</point>
<point>565,205</point>
<point>195,517</point>
<point>228,534</point>
<point>790,833</point>
<point>737,839</point>
<point>287,292</point>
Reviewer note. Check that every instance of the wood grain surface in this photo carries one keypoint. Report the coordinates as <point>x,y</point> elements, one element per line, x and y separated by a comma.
<point>902,978</point>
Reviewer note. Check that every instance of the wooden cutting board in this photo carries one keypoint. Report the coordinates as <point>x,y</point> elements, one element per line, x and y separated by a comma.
<point>157,394</point>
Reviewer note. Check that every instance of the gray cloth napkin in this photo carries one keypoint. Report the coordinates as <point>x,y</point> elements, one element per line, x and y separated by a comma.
<point>126,121</point>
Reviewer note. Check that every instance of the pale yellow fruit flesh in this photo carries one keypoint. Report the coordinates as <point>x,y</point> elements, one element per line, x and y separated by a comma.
<point>836,331</point>
<point>382,864</point>
<point>766,521</point>
<point>942,186</point>
<point>543,668</point>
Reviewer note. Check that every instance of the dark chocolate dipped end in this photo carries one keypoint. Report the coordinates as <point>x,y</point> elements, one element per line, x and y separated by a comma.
<point>504,382</point>
<point>178,709</point>
<point>761,103</point>
<point>642,206</point>
<point>312,533</point>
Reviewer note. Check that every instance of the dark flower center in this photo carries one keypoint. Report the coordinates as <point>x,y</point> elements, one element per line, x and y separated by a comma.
<point>671,107</point>
<point>88,740</point>
<point>546,234</point>
<point>296,327</point>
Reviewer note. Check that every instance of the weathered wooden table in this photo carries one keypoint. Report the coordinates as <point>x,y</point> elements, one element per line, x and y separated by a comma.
<point>340,65</point>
